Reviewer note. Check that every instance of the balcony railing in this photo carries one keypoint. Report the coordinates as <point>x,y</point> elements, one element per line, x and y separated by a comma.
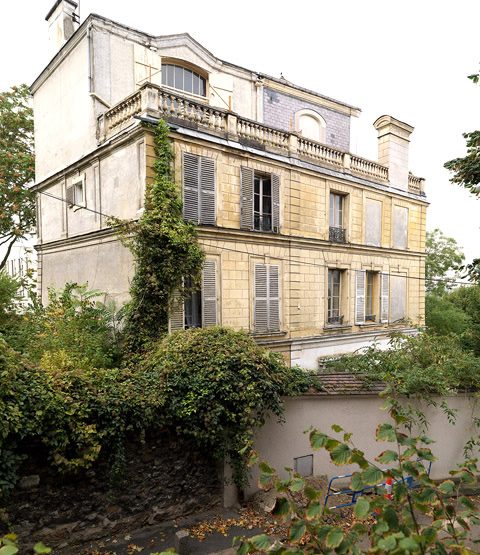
<point>335,320</point>
<point>337,235</point>
<point>157,102</point>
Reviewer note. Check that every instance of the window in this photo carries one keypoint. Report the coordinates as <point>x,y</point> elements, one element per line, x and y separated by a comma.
<point>198,175</point>
<point>200,309</point>
<point>311,125</point>
<point>184,79</point>
<point>334,297</point>
<point>76,192</point>
<point>266,298</point>
<point>260,201</point>
<point>371,297</point>
<point>337,207</point>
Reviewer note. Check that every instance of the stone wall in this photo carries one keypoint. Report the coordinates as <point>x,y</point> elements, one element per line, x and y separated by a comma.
<point>166,477</point>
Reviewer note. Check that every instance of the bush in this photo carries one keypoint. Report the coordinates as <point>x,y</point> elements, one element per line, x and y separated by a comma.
<point>444,318</point>
<point>217,386</point>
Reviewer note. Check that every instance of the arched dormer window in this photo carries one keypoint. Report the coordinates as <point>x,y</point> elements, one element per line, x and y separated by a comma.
<point>184,78</point>
<point>310,125</point>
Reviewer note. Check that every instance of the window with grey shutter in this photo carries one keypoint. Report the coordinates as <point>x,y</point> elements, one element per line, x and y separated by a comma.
<point>360,297</point>
<point>190,187</point>
<point>276,203</point>
<point>207,191</point>
<point>246,198</point>
<point>384,298</point>
<point>209,293</point>
<point>199,204</point>
<point>266,298</point>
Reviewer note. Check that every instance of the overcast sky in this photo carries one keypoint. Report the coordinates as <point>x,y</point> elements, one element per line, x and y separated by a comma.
<point>408,59</point>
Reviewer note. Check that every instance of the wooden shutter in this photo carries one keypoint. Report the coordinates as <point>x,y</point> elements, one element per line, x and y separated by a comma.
<point>384,297</point>
<point>70,194</point>
<point>190,187</point>
<point>276,203</point>
<point>177,314</point>
<point>260,299</point>
<point>246,197</point>
<point>360,297</point>
<point>209,294</point>
<point>207,191</point>
<point>273,298</point>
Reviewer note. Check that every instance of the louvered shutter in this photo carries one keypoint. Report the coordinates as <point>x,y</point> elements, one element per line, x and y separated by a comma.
<point>273,298</point>
<point>209,294</point>
<point>246,198</point>
<point>260,300</point>
<point>276,203</point>
<point>177,314</point>
<point>384,297</point>
<point>190,187</point>
<point>360,297</point>
<point>70,194</point>
<point>207,191</point>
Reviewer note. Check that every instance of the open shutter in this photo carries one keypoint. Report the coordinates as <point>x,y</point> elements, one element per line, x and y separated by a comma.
<point>190,187</point>
<point>70,194</point>
<point>384,298</point>
<point>260,301</point>
<point>207,191</point>
<point>209,293</point>
<point>246,198</point>
<point>177,314</point>
<point>276,203</point>
<point>273,298</point>
<point>360,297</point>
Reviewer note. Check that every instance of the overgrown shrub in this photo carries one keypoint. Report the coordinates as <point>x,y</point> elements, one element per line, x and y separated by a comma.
<point>217,386</point>
<point>420,364</point>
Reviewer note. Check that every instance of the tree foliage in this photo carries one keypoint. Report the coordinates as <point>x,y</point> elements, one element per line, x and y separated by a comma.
<point>17,204</point>
<point>444,256</point>
<point>165,249</point>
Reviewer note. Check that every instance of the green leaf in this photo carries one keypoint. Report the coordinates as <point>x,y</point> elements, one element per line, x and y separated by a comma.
<point>40,547</point>
<point>409,544</point>
<point>387,544</point>
<point>265,468</point>
<point>467,477</point>
<point>282,507</point>
<point>334,538</point>
<point>297,529</point>
<point>340,455</point>
<point>447,487</point>
<point>372,476</point>
<point>8,550</point>
<point>387,457</point>
<point>360,528</point>
<point>391,518</point>
<point>311,493</point>
<point>314,509</point>
<point>385,432</point>
<point>265,480</point>
<point>337,428</point>
<point>261,542</point>
<point>253,458</point>
<point>357,482</point>
<point>466,502</point>
<point>297,484</point>
<point>331,444</point>
<point>426,454</point>
<point>318,440</point>
<point>362,508</point>
<point>244,547</point>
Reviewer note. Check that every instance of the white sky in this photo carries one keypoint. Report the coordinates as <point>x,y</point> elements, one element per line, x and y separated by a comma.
<point>407,58</point>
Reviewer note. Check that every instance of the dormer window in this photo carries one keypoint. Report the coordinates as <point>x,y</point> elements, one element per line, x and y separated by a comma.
<point>184,79</point>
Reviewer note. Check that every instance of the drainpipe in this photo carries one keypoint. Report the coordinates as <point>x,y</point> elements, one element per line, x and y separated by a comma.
<point>89,59</point>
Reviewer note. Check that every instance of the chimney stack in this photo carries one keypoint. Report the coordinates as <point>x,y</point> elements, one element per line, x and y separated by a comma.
<point>393,143</point>
<point>62,23</point>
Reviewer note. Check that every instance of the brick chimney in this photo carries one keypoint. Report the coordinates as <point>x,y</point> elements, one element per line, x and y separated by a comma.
<point>393,143</point>
<point>62,23</point>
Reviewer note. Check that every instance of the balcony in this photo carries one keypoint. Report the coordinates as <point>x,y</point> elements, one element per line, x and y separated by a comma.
<point>337,235</point>
<point>157,102</point>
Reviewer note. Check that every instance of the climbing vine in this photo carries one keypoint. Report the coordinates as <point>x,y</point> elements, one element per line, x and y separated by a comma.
<point>165,249</point>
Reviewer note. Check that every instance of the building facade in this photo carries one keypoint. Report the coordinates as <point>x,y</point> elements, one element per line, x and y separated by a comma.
<point>312,249</point>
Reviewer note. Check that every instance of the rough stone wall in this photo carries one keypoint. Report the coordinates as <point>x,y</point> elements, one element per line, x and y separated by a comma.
<point>279,109</point>
<point>166,477</point>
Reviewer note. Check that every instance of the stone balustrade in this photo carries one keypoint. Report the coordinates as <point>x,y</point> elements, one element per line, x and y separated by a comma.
<point>157,102</point>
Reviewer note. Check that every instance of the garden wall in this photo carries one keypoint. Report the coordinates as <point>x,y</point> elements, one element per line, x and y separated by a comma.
<point>166,477</point>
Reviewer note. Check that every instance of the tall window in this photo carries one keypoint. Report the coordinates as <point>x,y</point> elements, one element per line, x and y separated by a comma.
<point>199,189</point>
<point>260,201</point>
<point>267,298</point>
<point>184,79</point>
<point>334,297</point>
<point>337,206</point>
<point>369,297</point>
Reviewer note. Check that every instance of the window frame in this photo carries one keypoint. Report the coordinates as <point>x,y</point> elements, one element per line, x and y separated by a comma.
<point>75,192</point>
<point>337,217</point>
<point>184,66</point>
<point>337,319</point>
<point>247,199</point>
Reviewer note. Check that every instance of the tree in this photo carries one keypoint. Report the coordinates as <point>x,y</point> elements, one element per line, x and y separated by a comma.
<point>17,204</point>
<point>444,256</point>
